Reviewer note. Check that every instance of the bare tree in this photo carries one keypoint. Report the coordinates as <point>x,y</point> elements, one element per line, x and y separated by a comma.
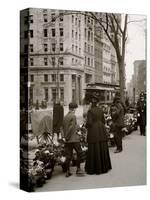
<point>116,31</point>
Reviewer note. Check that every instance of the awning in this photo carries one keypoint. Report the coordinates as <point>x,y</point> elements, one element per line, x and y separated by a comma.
<point>100,88</point>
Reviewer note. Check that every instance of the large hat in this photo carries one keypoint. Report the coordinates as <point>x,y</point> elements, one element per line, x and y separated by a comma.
<point>72,105</point>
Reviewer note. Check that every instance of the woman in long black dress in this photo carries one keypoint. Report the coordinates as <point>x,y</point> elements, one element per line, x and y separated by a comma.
<point>98,159</point>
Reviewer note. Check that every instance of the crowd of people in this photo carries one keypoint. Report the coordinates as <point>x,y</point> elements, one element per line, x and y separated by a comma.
<point>97,158</point>
<point>95,123</point>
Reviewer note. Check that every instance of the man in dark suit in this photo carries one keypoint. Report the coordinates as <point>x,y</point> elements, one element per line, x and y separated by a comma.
<point>58,116</point>
<point>117,114</point>
<point>72,139</point>
<point>141,109</point>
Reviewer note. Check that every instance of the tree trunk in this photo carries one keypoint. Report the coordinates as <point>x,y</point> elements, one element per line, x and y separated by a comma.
<point>122,79</point>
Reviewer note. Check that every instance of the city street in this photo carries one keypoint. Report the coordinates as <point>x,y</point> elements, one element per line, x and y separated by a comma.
<point>128,169</point>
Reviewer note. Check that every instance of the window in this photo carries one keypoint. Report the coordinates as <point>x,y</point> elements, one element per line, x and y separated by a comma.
<point>31,33</point>
<point>85,60</point>
<point>26,34</point>
<point>72,48</point>
<point>46,93</point>
<point>61,47</point>
<point>76,35</point>
<point>73,78</point>
<point>72,19</point>
<point>61,18</point>
<point>73,95</point>
<point>61,60</point>
<point>61,77</point>
<point>31,19</point>
<point>53,32</point>
<point>25,48</point>
<point>89,61</point>
<point>32,77</point>
<point>79,23</point>
<point>31,47</point>
<point>61,31</point>
<point>31,61</point>
<point>54,94</point>
<point>76,21</point>
<point>85,33</point>
<point>85,46</point>
<point>53,47</point>
<point>45,17</point>
<point>92,62</point>
<point>53,61</point>
<point>76,49</point>
<point>45,61</point>
<point>88,35</point>
<point>72,33</point>
<point>45,47</point>
<point>26,20</point>
<point>62,94</point>
<point>45,33</point>
<point>72,60</point>
<point>46,77</point>
<point>88,19</point>
<point>53,77</point>
<point>80,51</point>
<point>79,37</point>
<point>53,17</point>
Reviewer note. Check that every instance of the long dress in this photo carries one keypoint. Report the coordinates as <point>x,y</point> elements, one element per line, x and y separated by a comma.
<point>98,159</point>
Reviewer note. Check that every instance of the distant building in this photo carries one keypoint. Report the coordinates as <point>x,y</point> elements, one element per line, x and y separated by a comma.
<point>138,81</point>
<point>63,54</point>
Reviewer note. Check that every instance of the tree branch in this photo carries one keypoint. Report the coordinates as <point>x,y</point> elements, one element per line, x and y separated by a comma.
<point>117,23</point>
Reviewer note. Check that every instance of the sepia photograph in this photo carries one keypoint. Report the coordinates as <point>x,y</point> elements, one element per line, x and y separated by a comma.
<point>83,98</point>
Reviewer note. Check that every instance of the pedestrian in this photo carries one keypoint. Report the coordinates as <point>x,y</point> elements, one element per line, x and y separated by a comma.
<point>58,116</point>
<point>141,109</point>
<point>72,139</point>
<point>98,159</point>
<point>117,113</point>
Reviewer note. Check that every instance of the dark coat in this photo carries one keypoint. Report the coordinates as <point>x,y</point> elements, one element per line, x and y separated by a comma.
<point>117,114</point>
<point>95,125</point>
<point>58,116</point>
<point>141,108</point>
<point>70,128</point>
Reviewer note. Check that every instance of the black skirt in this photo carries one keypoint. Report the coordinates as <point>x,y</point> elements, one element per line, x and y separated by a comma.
<point>98,159</point>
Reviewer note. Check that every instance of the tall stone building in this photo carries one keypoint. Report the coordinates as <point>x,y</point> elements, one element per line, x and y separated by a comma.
<point>62,53</point>
<point>138,81</point>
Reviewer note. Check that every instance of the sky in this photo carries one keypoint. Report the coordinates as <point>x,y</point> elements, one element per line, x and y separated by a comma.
<point>135,49</point>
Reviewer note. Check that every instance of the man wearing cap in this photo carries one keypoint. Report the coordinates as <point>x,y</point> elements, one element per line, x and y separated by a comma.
<point>141,109</point>
<point>117,113</point>
<point>72,139</point>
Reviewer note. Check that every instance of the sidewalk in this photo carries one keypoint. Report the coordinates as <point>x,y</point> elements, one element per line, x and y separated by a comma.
<point>128,169</point>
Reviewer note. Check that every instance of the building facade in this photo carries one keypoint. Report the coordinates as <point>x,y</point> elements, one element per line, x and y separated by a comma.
<point>138,81</point>
<point>63,53</point>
